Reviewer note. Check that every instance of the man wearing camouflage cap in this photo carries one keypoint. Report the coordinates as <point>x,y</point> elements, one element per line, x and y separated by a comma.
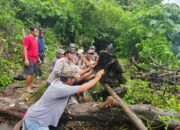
<point>59,54</point>
<point>66,61</point>
<point>95,57</point>
<point>49,108</point>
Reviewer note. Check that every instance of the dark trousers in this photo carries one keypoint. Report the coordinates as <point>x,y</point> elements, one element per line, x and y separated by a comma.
<point>39,70</point>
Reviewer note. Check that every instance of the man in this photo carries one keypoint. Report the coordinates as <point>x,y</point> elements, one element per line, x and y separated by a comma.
<point>49,108</point>
<point>41,44</point>
<point>66,61</point>
<point>59,55</point>
<point>87,61</point>
<point>109,48</point>
<point>95,55</point>
<point>41,51</point>
<point>75,57</point>
<point>72,46</point>
<point>60,63</point>
<point>30,52</point>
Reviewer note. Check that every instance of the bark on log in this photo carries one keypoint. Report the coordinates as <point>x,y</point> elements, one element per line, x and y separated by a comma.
<point>134,119</point>
<point>93,112</point>
<point>137,65</point>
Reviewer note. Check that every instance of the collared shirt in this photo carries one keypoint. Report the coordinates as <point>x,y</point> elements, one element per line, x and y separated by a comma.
<point>31,43</point>
<point>49,108</point>
<point>56,72</point>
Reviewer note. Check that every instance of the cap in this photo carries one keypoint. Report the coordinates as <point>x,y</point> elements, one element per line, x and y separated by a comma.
<point>80,51</point>
<point>90,52</point>
<point>92,47</point>
<point>70,50</point>
<point>61,51</point>
<point>72,45</point>
<point>69,72</point>
<point>81,48</point>
<point>41,30</point>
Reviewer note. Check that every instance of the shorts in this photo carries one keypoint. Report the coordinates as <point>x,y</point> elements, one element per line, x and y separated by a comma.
<point>31,69</point>
<point>28,125</point>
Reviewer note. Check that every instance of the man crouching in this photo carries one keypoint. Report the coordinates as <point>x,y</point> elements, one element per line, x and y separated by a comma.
<point>50,107</point>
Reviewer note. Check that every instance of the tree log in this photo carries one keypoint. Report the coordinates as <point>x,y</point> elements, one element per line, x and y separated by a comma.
<point>134,119</point>
<point>97,112</point>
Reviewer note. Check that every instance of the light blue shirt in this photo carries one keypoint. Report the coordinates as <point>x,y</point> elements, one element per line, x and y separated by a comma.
<point>50,107</point>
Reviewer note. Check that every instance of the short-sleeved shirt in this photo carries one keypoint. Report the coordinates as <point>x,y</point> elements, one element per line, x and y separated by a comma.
<point>50,107</point>
<point>56,72</point>
<point>83,65</point>
<point>95,57</point>
<point>75,59</point>
<point>31,43</point>
<point>52,64</point>
<point>41,45</point>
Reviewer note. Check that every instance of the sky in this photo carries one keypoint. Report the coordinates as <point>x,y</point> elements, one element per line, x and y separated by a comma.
<point>172,1</point>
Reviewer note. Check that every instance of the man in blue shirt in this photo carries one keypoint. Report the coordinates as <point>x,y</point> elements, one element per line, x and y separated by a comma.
<point>49,108</point>
<point>41,51</point>
<point>41,44</point>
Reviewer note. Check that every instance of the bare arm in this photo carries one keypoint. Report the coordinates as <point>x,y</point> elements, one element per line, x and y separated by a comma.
<point>26,61</point>
<point>91,66</point>
<point>85,76</point>
<point>91,83</point>
<point>84,71</point>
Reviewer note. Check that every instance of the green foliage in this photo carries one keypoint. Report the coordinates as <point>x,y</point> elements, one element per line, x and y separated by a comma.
<point>37,95</point>
<point>167,119</point>
<point>173,103</point>
<point>10,27</point>
<point>138,92</point>
<point>157,47</point>
<point>5,77</point>
<point>52,43</point>
<point>150,29</point>
<point>139,28</point>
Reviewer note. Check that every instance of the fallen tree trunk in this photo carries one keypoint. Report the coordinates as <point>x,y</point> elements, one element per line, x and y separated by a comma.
<point>147,113</point>
<point>94,112</point>
<point>134,119</point>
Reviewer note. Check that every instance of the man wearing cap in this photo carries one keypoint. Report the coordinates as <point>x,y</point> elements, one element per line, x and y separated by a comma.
<point>109,48</point>
<point>75,57</point>
<point>66,61</point>
<point>95,55</point>
<point>72,46</point>
<point>59,55</point>
<point>41,51</point>
<point>50,107</point>
<point>60,63</point>
<point>41,44</point>
<point>87,60</point>
<point>79,57</point>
